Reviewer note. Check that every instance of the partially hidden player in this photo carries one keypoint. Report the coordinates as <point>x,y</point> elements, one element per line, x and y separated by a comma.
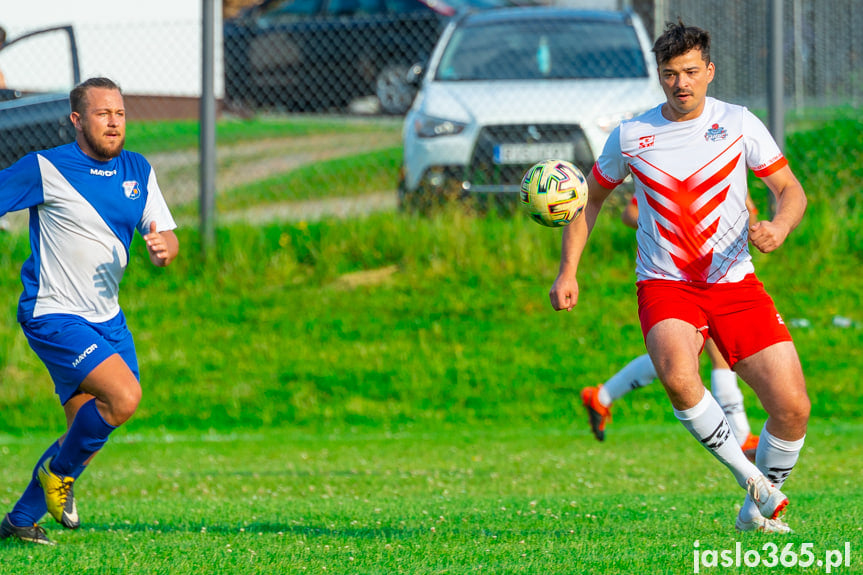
<point>86,199</point>
<point>689,159</point>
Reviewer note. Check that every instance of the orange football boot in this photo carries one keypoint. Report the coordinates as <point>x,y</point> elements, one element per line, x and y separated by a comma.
<point>597,413</point>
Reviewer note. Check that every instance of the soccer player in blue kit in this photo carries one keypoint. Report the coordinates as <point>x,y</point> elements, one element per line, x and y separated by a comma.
<point>86,199</point>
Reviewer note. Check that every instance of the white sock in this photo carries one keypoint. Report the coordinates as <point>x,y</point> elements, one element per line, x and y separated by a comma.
<point>723,384</point>
<point>775,458</point>
<point>637,373</point>
<point>707,423</point>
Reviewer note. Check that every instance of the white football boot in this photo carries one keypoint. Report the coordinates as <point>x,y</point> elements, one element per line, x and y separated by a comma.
<point>770,501</point>
<point>762,524</point>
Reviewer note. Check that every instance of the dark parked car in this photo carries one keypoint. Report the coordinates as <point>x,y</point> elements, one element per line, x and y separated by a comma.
<point>319,54</point>
<point>29,120</point>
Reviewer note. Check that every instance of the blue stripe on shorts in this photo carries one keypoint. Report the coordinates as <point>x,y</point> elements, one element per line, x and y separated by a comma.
<point>71,347</point>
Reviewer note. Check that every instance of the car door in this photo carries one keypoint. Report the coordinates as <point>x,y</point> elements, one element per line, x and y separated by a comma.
<point>275,44</point>
<point>310,54</point>
<point>39,68</point>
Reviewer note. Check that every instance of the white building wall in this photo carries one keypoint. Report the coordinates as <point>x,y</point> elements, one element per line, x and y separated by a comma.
<point>150,47</point>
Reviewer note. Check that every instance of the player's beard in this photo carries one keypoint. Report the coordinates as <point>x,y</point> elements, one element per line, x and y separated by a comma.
<point>104,150</point>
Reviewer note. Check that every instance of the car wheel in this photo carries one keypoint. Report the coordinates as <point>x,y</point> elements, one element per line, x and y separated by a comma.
<point>392,89</point>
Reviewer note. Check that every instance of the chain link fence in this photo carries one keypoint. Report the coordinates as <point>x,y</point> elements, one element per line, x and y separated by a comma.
<point>348,59</point>
<point>823,49</point>
<point>314,55</point>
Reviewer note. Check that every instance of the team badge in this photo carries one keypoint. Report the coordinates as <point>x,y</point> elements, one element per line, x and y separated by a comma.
<point>131,189</point>
<point>715,133</point>
<point>646,142</point>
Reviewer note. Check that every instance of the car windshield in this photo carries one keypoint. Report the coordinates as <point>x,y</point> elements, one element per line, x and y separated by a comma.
<point>547,49</point>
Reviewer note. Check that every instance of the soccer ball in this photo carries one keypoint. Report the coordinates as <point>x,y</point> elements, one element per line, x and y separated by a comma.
<point>554,192</point>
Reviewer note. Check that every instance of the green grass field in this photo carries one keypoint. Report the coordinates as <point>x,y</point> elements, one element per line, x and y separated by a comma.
<point>395,395</point>
<point>453,499</point>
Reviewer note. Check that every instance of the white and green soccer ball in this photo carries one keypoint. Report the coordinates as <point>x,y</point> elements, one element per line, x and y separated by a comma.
<point>553,192</point>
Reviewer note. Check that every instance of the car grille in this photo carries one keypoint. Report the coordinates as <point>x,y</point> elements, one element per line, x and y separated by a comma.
<point>484,175</point>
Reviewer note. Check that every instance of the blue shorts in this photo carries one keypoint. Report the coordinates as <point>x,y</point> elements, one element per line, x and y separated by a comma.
<point>71,347</point>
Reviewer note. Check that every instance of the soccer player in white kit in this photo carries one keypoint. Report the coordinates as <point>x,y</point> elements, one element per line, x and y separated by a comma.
<point>86,199</point>
<point>689,159</point>
<point>640,372</point>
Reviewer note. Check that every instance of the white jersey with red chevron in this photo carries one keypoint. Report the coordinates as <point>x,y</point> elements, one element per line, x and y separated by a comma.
<point>690,184</point>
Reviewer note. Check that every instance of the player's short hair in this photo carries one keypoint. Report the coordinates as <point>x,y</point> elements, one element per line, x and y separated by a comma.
<point>78,95</point>
<point>678,39</point>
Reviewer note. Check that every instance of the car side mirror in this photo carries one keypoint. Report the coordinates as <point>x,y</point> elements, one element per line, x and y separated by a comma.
<point>415,74</point>
<point>7,94</point>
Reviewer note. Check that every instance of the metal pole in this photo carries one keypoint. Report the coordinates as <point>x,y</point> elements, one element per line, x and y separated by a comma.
<point>775,73</point>
<point>660,15</point>
<point>798,57</point>
<point>208,131</point>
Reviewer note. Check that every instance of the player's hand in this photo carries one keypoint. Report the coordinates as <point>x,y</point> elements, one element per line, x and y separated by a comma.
<point>156,245</point>
<point>767,236</point>
<point>564,293</point>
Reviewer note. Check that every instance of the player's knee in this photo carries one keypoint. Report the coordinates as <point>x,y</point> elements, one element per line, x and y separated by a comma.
<point>794,414</point>
<point>802,409</point>
<point>684,392</point>
<point>124,404</point>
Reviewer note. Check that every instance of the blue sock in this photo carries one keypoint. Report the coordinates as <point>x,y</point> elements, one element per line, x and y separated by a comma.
<point>31,506</point>
<point>87,434</point>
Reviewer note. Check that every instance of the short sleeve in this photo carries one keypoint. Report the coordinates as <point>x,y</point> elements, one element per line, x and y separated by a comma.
<point>156,210</point>
<point>763,155</point>
<point>610,168</point>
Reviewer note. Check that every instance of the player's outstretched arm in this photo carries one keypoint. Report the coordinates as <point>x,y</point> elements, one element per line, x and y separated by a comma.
<point>767,235</point>
<point>564,291</point>
<point>162,246</point>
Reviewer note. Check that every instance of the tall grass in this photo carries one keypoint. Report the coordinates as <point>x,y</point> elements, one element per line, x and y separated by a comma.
<point>394,319</point>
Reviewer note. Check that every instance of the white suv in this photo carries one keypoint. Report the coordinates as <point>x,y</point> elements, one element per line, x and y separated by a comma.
<point>506,88</point>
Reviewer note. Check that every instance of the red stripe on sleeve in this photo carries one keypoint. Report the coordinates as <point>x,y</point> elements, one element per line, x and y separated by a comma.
<point>602,180</point>
<point>772,168</point>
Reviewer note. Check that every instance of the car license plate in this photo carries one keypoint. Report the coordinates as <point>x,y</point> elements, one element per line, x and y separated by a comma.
<point>530,153</point>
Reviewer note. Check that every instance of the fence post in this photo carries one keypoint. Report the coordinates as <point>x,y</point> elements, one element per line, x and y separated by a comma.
<point>775,89</point>
<point>208,131</point>
<point>775,73</point>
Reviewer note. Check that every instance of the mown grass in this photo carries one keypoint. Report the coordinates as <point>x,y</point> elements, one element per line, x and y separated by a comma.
<point>152,136</point>
<point>451,499</point>
<point>394,394</point>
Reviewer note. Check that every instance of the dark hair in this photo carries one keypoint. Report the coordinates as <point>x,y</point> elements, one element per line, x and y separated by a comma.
<point>678,39</point>
<point>2,35</point>
<point>78,95</point>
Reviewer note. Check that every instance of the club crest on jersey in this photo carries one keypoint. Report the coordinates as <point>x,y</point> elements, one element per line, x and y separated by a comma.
<point>645,142</point>
<point>715,133</point>
<point>131,189</point>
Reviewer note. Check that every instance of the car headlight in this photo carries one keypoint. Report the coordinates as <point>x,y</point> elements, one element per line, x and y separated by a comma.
<point>430,127</point>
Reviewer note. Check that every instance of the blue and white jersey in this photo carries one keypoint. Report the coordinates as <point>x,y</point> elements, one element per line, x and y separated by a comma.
<point>83,215</point>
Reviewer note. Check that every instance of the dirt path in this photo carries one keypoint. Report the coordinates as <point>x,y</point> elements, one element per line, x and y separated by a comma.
<point>246,162</point>
<point>310,210</point>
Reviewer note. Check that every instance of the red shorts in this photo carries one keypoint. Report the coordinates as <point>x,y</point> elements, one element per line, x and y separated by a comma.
<point>740,317</point>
